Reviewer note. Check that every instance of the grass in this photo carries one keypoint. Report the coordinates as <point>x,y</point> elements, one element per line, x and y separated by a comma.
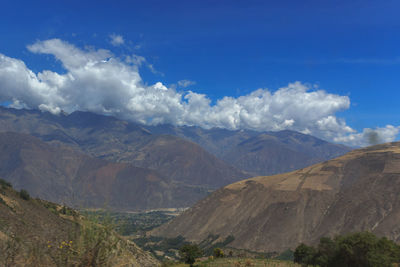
<point>240,262</point>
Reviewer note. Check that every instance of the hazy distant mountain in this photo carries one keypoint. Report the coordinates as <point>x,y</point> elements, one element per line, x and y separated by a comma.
<point>355,192</point>
<point>279,152</point>
<point>259,153</point>
<point>62,175</point>
<point>107,137</point>
<point>217,141</point>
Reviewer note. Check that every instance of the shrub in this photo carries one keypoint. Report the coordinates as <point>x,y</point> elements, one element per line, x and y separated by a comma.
<point>24,194</point>
<point>218,253</point>
<point>304,254</point>
<point>287,255</point>
<point>4,184</point>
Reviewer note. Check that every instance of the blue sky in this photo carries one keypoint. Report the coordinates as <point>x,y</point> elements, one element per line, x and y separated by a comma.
<point>231,48</point>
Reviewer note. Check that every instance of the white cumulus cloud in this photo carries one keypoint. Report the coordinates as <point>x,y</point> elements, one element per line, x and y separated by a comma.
<point>370,136</point>
<point>185,83</point>
<point>98,81</point>
<point>116,39</point>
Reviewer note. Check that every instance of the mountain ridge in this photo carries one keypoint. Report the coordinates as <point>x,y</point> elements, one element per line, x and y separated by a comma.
<point>259,153</point>
<point>172,153</point>
<point>248,149</point>
<point>184,163</point>
<point>63,175</point>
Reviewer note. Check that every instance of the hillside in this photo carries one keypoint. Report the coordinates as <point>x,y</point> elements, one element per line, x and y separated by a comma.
<point>355,192</point>
<point>34,232</point>
<point>62,175</point>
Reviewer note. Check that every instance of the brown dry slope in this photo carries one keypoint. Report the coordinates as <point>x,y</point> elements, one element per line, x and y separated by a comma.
<point>34,232</point>
<point>358,191</point>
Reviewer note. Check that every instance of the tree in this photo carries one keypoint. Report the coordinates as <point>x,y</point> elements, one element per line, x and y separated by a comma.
<point>304,254</point>
<point>353,250</point>
<point>326,251</point>
<point>189,253</point>
<point>365,249</point>
<point>24,194</point>
<point>4,184</point>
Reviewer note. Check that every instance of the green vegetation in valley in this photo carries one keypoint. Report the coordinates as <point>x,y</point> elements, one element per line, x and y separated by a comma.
<point>167,249</point>
<point>361,249</point>
<point>134,224</point>
<point>353,250</point>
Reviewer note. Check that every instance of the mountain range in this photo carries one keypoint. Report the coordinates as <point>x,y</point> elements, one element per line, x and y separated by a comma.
<point>63,175</point>
<point>186,163</point>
